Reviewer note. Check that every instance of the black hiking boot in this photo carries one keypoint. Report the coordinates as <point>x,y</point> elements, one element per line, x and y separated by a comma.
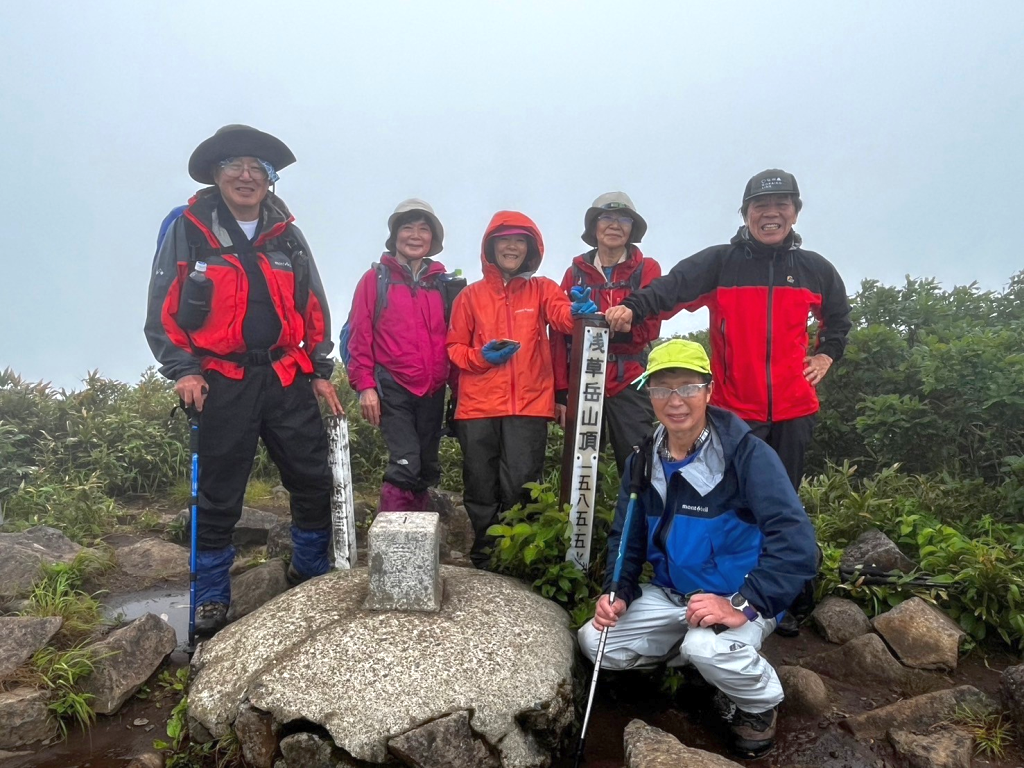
<point>294,577</point>
<point>789,626</point>
<point>753,733</point>
<point>211,618</point>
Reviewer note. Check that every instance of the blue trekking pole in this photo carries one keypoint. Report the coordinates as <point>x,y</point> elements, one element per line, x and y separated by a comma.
<point>193,445</point>
<point>635,482</point>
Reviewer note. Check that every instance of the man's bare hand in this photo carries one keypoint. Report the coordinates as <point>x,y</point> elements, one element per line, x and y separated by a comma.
<point>620,319</point>
<point>369,405</point>
<point>325,391</point>
<point>607,614</point>
<point>192,390</point>
<point>706,610</point>
<point>815,367</point>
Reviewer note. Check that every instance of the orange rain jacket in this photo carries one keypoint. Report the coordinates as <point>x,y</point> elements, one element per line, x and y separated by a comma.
<point>522,310</point>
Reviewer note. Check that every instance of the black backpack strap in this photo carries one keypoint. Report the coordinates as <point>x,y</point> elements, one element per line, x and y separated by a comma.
<point>383,280</point>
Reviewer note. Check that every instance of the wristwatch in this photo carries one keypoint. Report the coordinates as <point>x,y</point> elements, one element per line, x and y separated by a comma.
<point>739,602</point>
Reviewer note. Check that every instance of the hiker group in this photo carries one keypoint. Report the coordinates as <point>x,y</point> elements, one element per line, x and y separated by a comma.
<point>238,318</point>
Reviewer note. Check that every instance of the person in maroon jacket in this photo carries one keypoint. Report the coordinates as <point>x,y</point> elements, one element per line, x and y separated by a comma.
<point>399,360</point>
<point>613,269</point>
<point>760,289</point>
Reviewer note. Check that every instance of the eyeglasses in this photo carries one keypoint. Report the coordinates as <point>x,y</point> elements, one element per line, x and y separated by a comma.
<point>686,391</point>
<point>613,218</point>
<point>233,169</point>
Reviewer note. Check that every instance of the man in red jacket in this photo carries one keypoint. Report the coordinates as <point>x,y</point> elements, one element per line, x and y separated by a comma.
<point>760,289</point>
<point>612,270</point>
<point>399,362</point>
<point>238,319</point>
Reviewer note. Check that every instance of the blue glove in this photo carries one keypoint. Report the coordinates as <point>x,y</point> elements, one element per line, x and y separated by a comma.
<point>582,304</point>
<point>495,355</point>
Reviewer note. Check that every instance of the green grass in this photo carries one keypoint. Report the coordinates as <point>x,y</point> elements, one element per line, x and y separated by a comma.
<point>60,671</point>
<point>991,732</point>
<point>58,593</point>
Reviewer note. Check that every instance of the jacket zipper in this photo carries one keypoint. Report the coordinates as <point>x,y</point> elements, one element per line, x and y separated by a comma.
<point>725,355</point>
<point>512,370</point>
<point>768,356</point>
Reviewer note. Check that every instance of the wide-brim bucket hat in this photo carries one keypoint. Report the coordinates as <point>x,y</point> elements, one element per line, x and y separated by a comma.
<point>612,201</point>
<point>237,141</point>
<point>423,207</point>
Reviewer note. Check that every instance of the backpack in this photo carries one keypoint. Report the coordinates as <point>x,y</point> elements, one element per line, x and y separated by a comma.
<point>450,284</point>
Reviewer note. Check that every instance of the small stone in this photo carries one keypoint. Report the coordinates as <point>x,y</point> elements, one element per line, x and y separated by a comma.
<point>447,742</point>
<point>866,659</point>
<point>24,717</point>
<point>21,554</point>
<point>1011,689</point>
<point>140,721</point>
<point>840,620</point>
<point>873,553</point>
<point>649,747</point>
<point>250,531</point>
<point>917,714</point>
<point>257,736</point>
<point>279,541</point>
<point>948,748</point>
<point>147,760</point>
<point>805,691</point>
<point>922,636</point>
<point>22,636</point>
<point>405,562</point>
<point>151,560</point>
<point>257,586</point>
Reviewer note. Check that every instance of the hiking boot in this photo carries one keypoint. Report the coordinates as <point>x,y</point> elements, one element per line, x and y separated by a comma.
<point>788,626</point>
<point>753,733</point>
<point>211,618</point>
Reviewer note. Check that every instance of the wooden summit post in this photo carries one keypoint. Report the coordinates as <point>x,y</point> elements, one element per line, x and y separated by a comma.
<point>590,338</point>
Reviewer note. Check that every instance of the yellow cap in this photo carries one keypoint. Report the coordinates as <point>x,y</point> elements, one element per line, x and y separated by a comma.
<point>677,353</point>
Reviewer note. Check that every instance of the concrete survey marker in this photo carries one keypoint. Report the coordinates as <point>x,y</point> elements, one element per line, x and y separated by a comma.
<point>405,562</point>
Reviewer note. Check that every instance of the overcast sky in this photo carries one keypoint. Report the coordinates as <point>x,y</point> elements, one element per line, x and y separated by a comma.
<point>903,123</point>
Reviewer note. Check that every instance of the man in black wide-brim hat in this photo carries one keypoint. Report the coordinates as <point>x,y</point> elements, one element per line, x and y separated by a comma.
<point>238,319</point>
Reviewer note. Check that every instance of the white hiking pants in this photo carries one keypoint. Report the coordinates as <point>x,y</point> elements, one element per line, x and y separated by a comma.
<point>654,630</point>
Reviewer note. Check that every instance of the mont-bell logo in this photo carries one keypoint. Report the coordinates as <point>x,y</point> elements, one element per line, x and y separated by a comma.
<point>771,183</point>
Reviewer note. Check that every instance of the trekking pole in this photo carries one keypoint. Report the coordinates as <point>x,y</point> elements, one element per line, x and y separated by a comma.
<point>193,446</point>
<point>635,480</point>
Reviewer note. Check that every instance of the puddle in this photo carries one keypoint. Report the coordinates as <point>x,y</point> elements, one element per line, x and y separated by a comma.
<point>169,605</point>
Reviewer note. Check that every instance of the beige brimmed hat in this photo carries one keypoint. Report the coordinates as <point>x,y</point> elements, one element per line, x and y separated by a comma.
<point>421,206</point>
<point>237,141</point>
<point>612,201</point>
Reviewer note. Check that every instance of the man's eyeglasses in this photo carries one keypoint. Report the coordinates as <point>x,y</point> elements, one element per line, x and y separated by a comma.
<point>233,169</point>
<point>686,391</point>
<point>615,218</point>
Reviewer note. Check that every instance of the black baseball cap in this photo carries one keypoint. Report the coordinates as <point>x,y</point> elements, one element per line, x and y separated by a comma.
<point>771,182</point>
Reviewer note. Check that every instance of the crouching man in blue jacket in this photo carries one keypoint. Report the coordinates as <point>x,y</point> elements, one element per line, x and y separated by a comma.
<point>729,542</point>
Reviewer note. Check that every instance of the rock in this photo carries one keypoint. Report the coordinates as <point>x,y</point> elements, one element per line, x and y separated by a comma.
<point>257,736</point>
<point>21,554</point>
<point>922,636</point>
<point>251,531</point>
<point>308,750</point>
<point>255,587</point>
<point>279,541</point>
<point>873,553</point>
<point>153,560</point>
<point>24,717</point>
<point>866,659</point>
<point>147,760</point>
<point>650,747</point>
<point>22,636</point>
<point>315,654</point>
<point>460,532</point>
<point>917,714</point>
<point>405,562</point>
<point>1011,690</point>
<point>281,496</point>
<point>444,503</point>
<point>839,620</point>
<point>806,694</point>
<point>448,742</point>
<point>125,659</point>
<point>834,749</point>
<point>948,748</point>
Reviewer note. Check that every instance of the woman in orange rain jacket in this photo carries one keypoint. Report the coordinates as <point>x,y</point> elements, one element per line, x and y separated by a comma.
<point>498,340</point>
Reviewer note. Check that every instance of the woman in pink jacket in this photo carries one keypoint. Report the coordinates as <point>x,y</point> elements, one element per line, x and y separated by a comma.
<point>398,360</point>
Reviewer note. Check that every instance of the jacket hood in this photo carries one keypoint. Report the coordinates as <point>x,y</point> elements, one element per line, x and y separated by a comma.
<point>708,467</point>
<point>520,221</point>
<point>634,256</point>
<point>743,237</point>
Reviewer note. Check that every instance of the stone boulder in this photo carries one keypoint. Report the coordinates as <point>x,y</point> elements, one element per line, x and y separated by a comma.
<point>21,555</point>
<point>805,691</point>
<point>873,553</point>
<point>125,659</point>
<point>24,717</point>
<point>257,586</point>
<point>1011,690</point>
<point>279,540</point>
<point>839,620</point>
<point>309,750</point>
<point>921,636</point>
<point>152,560</point>
<point>22,636</point>
<point>865,659</point>
<point>257,736</point>
<point>367,677</point>
<point>448,742</point>
<point>650,747</point>
<point>948,748</point>
<point>251,531</point>
<point>917,714</point>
